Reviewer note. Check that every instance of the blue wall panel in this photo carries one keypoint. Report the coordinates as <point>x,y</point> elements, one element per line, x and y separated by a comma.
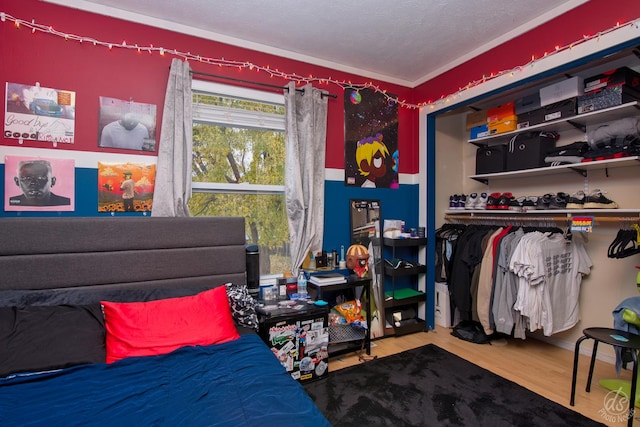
<point>401,203</point>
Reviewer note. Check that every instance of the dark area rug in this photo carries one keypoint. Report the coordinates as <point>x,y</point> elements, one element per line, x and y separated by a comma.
<point>429,386</point>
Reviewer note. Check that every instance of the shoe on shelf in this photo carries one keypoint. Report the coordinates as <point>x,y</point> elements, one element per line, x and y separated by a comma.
<point>462,201</point>
<point>529,203</point>
<point>558,201</point>
<point>517,204</point>
<point>492,201</point>
<point>504,200</point>
<point>454,201</point>
<point>481,202</point>
<point>576,200</point>
<point>472,201</point>
<point>597,200</point>
<point>543,201</point>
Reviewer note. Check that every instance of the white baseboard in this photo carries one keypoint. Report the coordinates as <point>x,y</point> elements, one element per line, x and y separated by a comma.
<point>605,356</point>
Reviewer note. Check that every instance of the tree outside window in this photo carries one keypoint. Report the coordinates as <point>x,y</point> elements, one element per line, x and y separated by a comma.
<point>238,165</point>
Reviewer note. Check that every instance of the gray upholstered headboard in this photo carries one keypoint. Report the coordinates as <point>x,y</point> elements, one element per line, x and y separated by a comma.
<point>45,261</point>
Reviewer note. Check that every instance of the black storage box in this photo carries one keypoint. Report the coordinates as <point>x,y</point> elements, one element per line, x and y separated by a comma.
<point>619,76</point>
<point>490,159</point>
<point>605,98</point>
<point>528,150</point>
<point>530,118</point>
<point>527,103</point>
<point>560,110</point>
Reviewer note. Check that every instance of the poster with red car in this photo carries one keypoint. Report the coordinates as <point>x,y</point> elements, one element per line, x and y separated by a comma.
<point>39,113</point>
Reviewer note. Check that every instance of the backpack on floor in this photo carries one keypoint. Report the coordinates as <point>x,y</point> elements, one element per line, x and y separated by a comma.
<point>470,330</point>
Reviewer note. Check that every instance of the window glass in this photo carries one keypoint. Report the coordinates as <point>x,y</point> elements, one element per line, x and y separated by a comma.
<point>238,165</point>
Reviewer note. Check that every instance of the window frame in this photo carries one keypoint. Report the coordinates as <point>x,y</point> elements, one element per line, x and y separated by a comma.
<point>230,117</point>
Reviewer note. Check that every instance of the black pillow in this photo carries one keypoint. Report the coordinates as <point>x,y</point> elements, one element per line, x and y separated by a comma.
<point>43,338</point>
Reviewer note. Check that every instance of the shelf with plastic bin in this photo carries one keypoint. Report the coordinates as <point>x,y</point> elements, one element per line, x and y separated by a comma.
<point>579,121</point>
<point>581,168</point>
<point>403,292</point>
<point>345,338</point>
<point>405,271</point>
<point>400,298</point>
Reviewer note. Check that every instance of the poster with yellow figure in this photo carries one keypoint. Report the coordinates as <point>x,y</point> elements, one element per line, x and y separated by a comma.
<point>125,187</point>
<point>371,139</point>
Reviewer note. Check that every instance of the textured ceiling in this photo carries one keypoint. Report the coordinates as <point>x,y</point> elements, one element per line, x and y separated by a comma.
<point>403,41</point>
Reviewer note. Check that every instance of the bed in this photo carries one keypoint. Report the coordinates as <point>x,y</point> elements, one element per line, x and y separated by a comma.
<point>109,321</point>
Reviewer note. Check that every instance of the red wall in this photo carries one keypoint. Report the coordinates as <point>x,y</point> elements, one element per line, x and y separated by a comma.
<point>94,71</point>
<point>589,19</point>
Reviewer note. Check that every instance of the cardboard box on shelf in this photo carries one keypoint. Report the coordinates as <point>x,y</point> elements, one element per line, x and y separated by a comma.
<point>476,118</point>
<point>623,76</point>
<point>505,124</point>
<point>527,103</point>
<point>479,131</point>
<point>501,111</point>
<point>560,110</point>
<point>568,88</point>
<point>530,118</point>
<point>605,98</point>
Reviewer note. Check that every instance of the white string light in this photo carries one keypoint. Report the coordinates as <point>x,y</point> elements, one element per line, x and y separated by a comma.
<point>221,62</point>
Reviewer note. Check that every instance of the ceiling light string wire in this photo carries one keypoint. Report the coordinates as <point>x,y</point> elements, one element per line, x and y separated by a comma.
<point>344,85</point>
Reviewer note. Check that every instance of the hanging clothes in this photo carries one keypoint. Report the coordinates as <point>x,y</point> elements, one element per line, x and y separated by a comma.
<point>514,280</point>
<point>550,271</point>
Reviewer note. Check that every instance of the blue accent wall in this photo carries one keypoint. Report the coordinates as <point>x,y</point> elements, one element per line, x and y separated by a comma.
<point>400,203</point>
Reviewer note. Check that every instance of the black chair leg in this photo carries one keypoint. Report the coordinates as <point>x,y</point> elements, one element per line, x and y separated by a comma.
<point>634,384</point>
<point>592,365</point>
<point>575,369</point>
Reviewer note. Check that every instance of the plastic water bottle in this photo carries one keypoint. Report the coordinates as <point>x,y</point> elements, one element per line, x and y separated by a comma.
<point>302,285</point>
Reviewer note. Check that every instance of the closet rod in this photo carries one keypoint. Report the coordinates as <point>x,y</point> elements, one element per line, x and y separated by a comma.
<point>255,83</point>
<point>480,218</point>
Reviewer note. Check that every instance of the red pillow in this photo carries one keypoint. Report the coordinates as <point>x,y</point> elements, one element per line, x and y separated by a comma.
<point>159,327</point>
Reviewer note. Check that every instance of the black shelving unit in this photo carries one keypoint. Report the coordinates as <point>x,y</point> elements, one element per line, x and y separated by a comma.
<point>402,294</point>
<point>347,338</point>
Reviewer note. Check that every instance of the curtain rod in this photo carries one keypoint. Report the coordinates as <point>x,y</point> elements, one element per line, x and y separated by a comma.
<point>256,83</point>
<point>496,218</point>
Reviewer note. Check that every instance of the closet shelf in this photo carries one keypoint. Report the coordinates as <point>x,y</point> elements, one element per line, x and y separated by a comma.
<point>581,168</point>
<point>580,121</point>
<point>599,215</point>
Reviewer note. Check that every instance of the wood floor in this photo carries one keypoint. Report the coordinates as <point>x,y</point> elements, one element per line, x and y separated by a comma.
<point>538,366</point>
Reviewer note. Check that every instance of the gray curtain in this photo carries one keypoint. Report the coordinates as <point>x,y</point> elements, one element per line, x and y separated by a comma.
<point>306,132</point>
<point>173,173</point>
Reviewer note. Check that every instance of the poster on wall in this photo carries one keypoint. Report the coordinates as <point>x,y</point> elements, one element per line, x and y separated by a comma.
<point>126,124</point>
<point>39,184</point>
<point>125,187</point>
<point>39,113</point>
<point>371,139</point>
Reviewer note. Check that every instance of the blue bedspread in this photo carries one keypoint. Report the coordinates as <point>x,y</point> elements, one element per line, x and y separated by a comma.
<point>239,383</point>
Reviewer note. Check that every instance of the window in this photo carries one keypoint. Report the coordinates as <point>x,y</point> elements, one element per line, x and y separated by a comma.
<point>238,165</point>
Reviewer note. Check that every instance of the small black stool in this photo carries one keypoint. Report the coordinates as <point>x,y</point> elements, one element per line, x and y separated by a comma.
<point>606,335</point>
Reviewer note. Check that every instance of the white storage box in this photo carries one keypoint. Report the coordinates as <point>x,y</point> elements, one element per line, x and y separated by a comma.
<point>569,88</point>
<point>443,308</point>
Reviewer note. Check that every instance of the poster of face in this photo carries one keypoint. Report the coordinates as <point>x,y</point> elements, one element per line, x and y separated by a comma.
<point>39,114</point>
<point>371,139</point>
<point>39,184</point>
<point>125,187</point>
<point>127,124</point>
